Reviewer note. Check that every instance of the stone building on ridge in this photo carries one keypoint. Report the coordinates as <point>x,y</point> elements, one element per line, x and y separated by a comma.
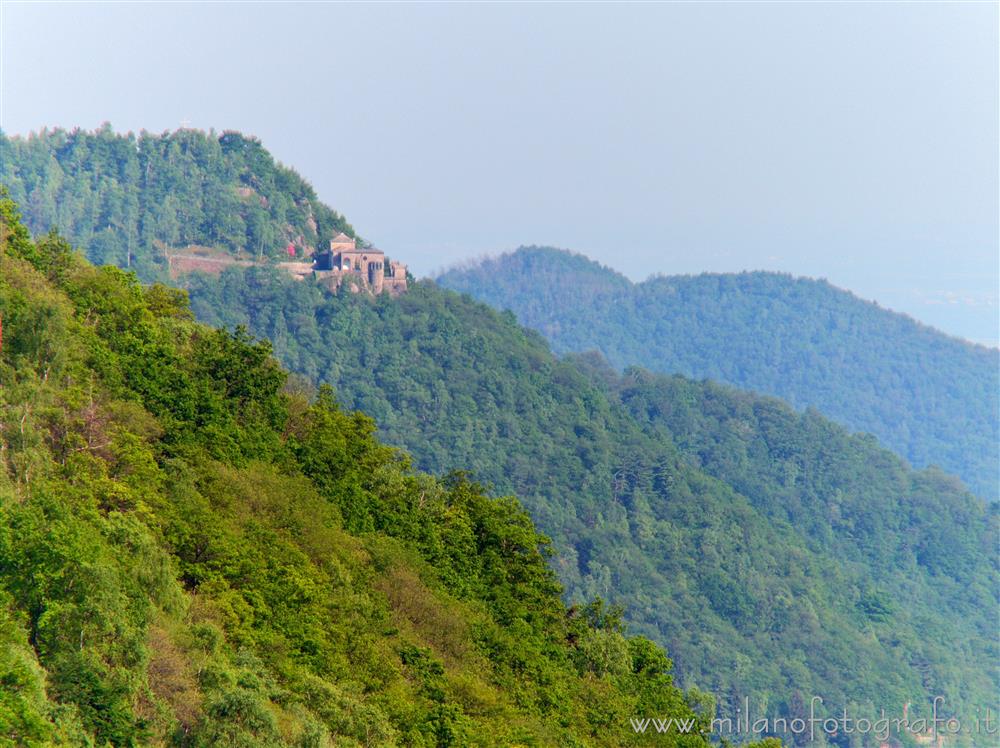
<point>362,268</point>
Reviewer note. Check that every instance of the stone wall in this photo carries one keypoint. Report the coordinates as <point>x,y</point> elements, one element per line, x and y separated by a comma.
<point>181,264</point>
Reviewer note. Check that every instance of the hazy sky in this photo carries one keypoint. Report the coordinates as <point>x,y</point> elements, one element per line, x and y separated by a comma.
<point>852,141</point>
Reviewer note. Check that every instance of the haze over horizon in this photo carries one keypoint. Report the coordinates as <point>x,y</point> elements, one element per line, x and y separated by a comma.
<point>858,143</point>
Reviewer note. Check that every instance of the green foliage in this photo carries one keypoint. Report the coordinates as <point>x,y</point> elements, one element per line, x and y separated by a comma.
<point>747,538</point>
<point>192,554</point>
<point>129,199</point>
<point>773,553</point>
<point>931,398</point>
<point>26,717</point>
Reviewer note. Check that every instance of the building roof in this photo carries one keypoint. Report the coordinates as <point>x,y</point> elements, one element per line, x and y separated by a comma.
<point>362,251</point>
<point>341,237</point>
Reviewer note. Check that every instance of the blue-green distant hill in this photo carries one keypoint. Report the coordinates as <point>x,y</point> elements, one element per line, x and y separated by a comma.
<point>930,397</point>
<point>774,554</point>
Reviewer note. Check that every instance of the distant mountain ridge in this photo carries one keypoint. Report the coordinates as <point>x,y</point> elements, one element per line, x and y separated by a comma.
<point>773,553</point>
<point>930,397</point>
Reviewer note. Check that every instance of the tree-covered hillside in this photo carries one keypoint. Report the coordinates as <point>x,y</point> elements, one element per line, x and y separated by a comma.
<point>131,199</point>
<point>773,553</point>
<point>193,553</point>
<point>929,397</point>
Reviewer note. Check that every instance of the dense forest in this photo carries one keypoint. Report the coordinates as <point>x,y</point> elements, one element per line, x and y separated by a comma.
<point>195,553</point>
<point>130,199</point>
<point>773,553</point>
<point>931,398</point>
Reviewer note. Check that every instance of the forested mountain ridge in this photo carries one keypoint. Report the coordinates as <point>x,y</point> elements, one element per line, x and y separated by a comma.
<point>772,573</point>
<point>774,554</point>
<point>931,398</point>
<point>193,553</point>
<point>130,199</point>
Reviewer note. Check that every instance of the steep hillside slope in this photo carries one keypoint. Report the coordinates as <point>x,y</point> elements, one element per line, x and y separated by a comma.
<point>772,573</point>
<point>773,553</point>
<point>193,554</point>
<point>929,397</point>
<point>131,200</point>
